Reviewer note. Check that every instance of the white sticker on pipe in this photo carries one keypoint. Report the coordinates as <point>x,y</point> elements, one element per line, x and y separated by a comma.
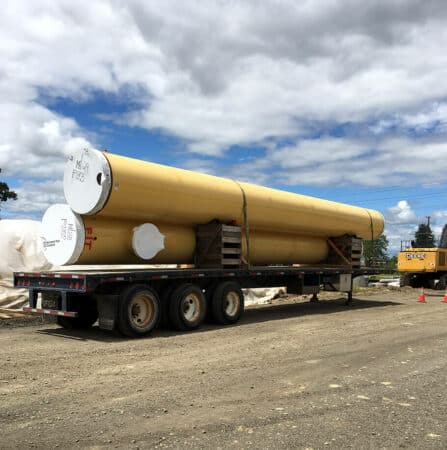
<point>147,240</point>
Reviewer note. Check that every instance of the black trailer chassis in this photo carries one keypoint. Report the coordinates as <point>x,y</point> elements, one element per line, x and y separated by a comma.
<point>134,302</point>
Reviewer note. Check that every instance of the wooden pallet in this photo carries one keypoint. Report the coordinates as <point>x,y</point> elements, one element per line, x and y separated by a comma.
<point>345,250</point>
<point>218,246</point>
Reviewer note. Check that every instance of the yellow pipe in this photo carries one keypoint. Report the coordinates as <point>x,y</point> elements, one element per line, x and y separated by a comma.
<point>73,239</point>
<point>283,248</point>
<point>115,186</point>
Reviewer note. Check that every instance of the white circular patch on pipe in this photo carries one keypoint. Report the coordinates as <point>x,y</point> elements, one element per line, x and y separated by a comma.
<point>147,241</point>
<point>87,181</point>
<point>63,235</point>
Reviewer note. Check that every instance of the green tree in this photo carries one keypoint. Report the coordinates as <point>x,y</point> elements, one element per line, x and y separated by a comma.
<point>391,264</point>
<point>443,238</point>
<point>375,251</point>
<point>424,237</point>
<point>5,193</point>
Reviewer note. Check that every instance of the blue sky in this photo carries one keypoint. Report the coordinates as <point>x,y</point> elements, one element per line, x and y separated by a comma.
<point>340,100</point>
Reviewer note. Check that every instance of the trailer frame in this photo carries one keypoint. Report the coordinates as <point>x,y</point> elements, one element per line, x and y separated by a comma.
<point>105,286</point>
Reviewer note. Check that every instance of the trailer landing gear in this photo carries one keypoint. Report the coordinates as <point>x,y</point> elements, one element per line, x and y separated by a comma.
<point>348,301</point>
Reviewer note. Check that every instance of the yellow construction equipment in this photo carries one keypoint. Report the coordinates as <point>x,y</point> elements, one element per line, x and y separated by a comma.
<point>423,267</point>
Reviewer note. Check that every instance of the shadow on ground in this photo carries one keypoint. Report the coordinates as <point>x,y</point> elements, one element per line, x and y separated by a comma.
<point>252,315</point>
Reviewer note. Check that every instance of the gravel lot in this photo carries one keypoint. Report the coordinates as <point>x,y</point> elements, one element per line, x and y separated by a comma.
<point>290,375</point>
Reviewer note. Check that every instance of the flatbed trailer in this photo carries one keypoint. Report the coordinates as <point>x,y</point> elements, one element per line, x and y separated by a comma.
<point>133,302</point>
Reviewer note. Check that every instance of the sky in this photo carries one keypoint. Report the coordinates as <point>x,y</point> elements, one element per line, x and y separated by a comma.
<point>342,100</point>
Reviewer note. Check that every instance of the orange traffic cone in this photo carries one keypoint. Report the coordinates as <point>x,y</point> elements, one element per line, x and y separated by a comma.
<point>444,300</point>
<point>421,298</point>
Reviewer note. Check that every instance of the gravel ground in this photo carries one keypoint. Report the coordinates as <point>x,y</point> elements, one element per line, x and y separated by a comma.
<point>290,375</point>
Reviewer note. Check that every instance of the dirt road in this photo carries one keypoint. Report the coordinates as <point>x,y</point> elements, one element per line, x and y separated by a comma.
<point>290,375</point>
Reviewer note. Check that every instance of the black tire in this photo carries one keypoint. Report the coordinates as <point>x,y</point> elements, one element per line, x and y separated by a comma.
<point>412,280</point>
<point>227,304</point>
<point>138,311</point>
<point>187,307</point>
<point>405,280</point>
<point>442,283</point>
<point>87,315</point>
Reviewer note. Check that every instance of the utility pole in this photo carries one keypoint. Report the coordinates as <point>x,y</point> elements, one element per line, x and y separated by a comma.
<point>428,220</point>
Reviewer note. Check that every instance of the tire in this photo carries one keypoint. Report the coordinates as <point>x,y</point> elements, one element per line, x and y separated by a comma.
<point>412,280</point>
<point>87,315</point>
<point>187,307</point>
<point>138,311</point>
<point>227,304</point>
<point>442,283</point>
<point>405,280</point>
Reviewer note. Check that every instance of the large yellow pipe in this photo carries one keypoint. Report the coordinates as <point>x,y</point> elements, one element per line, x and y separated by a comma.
<point>115,186</point>
<point>73,239</point>
<point>283,248</point>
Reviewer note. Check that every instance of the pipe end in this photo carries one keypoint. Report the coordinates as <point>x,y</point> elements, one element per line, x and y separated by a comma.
<point>87,181</point>
<point>63,235</point>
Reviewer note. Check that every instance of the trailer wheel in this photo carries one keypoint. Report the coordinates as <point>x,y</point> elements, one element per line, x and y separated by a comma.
<point>187,307</point>
<point>138,311</point>
<point>87,315</point>
<point>227,304</point>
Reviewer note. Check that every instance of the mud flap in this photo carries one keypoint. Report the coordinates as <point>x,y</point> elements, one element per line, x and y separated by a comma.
<point>107,311</point>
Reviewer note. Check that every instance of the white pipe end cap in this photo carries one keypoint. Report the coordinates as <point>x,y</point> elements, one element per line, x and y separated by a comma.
<point>63,235</point>
<point>87,181</point>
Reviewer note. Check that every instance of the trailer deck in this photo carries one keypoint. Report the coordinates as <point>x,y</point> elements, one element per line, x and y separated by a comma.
<point>74,294</point>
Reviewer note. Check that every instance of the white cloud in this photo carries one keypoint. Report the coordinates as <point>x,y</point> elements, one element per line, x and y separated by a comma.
<point>330,161</point>
<point>35,197</point>
<point>431,118</point>
<point>401,213</point>
<point>218,74</point>
<point>402,223</point>
<point>399,236</point>
<point>35,140</point>
<point>439,217</point>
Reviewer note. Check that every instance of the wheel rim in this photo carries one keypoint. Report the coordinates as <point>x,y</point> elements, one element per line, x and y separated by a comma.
<point>231,304</point>
<point>142,310</point>
<point>191,307</point>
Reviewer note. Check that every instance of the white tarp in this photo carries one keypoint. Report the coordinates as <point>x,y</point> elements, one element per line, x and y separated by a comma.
<point>21,247</point>
<point>20,250</point>
<point>259,296</point>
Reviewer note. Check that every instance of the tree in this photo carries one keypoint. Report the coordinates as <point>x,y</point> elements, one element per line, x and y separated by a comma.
<point>443,238</point>
<point>424,237</point>
<point>391,264</point>
<point>375,251</point>
<point>5,193</point>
